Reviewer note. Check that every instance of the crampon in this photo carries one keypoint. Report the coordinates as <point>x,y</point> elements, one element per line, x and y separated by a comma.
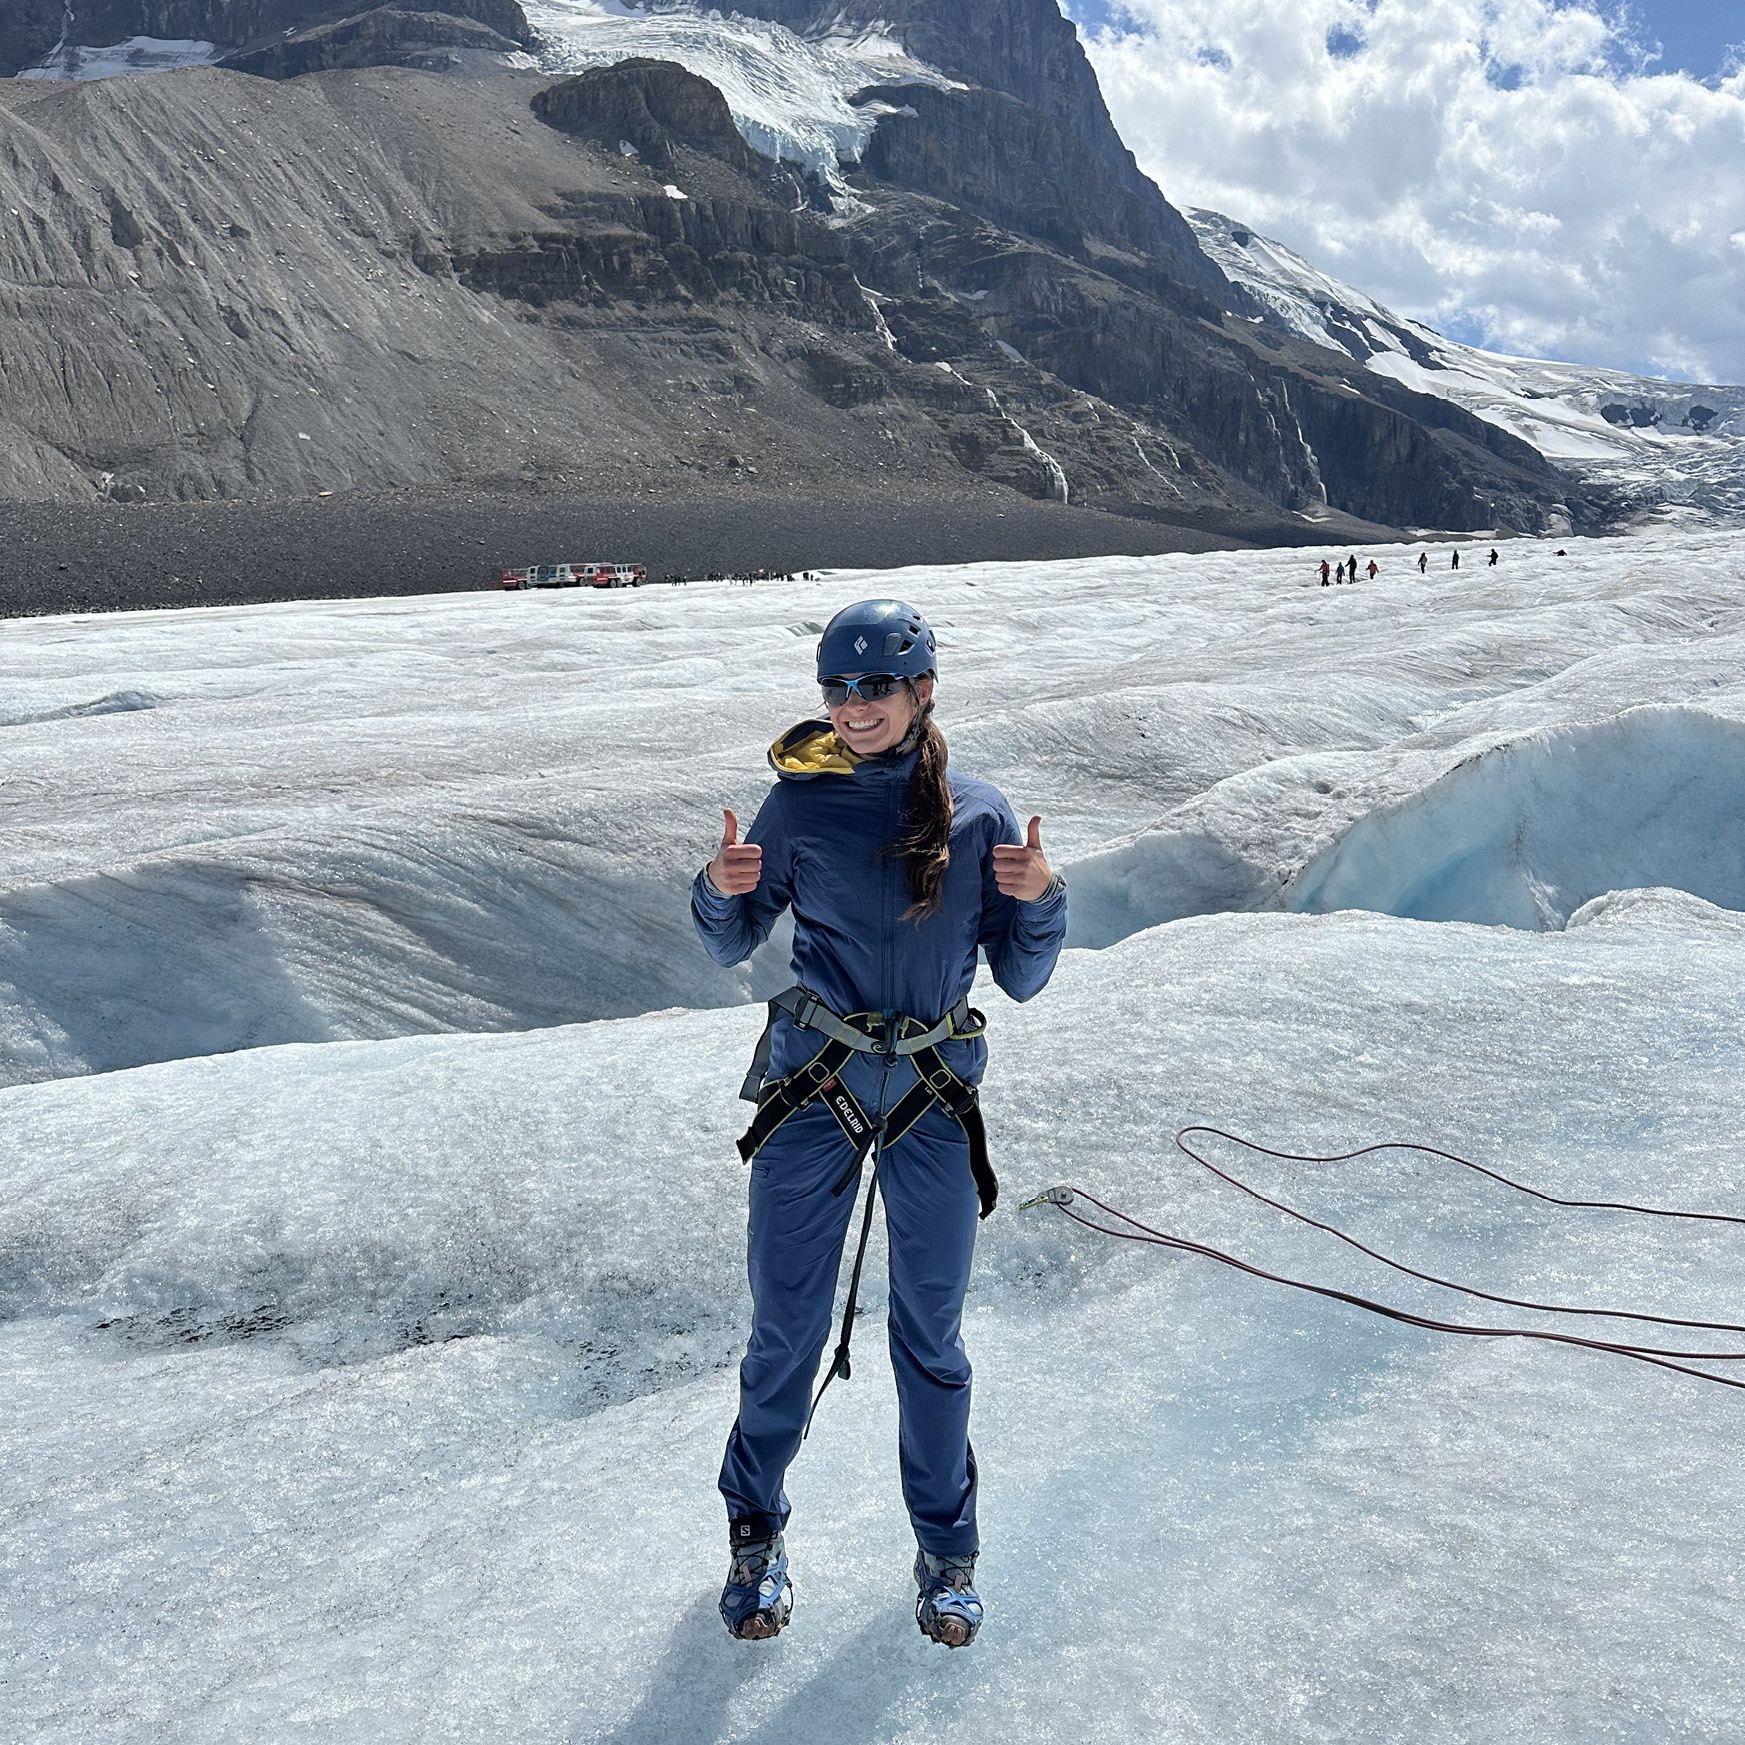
<point>947,1608</point>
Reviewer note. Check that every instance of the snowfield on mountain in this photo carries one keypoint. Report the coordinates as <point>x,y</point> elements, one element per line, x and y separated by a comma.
<point>1677,447</point>
<point>789,95</point>
<point>371,1232</point>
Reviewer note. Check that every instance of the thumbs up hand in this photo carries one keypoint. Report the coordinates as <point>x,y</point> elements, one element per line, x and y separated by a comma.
<point>1022,872</point>
<point>738,867</point>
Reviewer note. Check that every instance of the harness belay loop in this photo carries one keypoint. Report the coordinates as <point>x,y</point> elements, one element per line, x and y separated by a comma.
<point>819,1080</point>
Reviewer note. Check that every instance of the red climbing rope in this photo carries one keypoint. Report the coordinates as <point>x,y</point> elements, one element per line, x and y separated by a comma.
<point>1062,1199</point>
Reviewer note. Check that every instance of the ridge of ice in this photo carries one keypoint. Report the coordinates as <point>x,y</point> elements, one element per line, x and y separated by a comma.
<point>1527,833</point>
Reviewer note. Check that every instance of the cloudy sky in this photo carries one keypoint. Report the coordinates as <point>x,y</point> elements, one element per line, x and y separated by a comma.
<point>1562,178</point>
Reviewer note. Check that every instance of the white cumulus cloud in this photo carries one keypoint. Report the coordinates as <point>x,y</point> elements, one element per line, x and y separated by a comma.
<point>1512,171</point>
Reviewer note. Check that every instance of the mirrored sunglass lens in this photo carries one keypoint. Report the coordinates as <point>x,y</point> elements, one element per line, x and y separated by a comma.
<point>871,690</point>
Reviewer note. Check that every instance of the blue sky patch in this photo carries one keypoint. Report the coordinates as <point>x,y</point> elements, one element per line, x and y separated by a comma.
<point>1089,15</point>
<point>1694,35</point>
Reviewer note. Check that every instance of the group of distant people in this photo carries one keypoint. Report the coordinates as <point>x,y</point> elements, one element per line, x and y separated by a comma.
<point>1346,572</point>
<point>1331,578</point>
<point>745,578</point>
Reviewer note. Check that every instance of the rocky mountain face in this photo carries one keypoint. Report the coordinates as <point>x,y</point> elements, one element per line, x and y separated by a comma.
<point>230,286</point>
<point>1026,52</point>
<point>28,30</point>
<point>273,38</point>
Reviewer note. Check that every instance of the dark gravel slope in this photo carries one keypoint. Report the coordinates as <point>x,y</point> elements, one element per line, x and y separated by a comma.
<point>110,557</point>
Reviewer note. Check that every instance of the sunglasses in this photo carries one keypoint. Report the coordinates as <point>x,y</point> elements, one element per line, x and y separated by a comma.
<point>869,687</point>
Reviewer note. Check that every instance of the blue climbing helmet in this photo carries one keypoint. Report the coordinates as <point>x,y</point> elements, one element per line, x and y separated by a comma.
<point>876,636</point>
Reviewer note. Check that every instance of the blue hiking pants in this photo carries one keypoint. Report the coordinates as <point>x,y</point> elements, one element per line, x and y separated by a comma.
<point>794,1253</point>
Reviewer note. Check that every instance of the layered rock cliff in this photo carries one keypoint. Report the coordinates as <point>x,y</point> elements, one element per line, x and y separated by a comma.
<point>273,38</point>
<point>499,276</point>
<point>1027,50</point>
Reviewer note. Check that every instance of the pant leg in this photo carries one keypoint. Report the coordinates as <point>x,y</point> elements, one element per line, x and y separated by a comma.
<point>931,1214</point>
<point>793,1253</point>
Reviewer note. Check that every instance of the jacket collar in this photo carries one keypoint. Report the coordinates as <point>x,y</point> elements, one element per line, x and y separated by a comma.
<point>812,749</point>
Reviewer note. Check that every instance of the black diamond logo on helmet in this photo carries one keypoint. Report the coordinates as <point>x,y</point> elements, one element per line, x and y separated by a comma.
<point>860,645</point>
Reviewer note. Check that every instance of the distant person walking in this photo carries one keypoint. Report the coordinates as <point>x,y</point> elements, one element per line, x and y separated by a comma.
<point>1326,573</point>
<point>1351,572</point>
<point>1374,569</point>
<point>1456,563</point>
<point>1423,561</point>
<point>1493,557</point>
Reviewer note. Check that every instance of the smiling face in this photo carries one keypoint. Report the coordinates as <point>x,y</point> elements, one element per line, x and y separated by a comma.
<point>869,728</point>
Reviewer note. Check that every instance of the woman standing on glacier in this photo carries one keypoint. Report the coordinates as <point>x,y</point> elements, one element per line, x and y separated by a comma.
<point>897,872</point>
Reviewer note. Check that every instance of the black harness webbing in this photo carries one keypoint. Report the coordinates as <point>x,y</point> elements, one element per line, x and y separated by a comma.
<point>818,1080</point>
<point>839,1365</point>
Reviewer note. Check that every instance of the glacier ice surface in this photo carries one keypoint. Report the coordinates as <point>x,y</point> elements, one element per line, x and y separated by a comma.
<point>327,821</point>
<point>373,1389</point>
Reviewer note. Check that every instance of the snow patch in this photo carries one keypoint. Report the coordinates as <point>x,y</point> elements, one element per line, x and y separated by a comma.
<point>138,54</point>
<point>1058,488</point>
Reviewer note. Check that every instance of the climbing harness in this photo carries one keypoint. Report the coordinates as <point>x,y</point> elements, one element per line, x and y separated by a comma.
<point>892,1036</point>
<point>1132,1230</point>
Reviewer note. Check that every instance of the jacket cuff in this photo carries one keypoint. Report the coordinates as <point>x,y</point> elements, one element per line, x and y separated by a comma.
<point>1056,892</point>
<point>705,895</point>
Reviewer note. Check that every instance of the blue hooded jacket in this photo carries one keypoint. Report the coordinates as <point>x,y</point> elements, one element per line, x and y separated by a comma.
<point>823,830</point>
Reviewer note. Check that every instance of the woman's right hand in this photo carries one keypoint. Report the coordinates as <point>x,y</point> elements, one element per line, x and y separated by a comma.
<point>735,871</point>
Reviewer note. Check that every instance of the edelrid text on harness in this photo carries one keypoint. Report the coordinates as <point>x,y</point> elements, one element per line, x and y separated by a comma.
<point>819,1081</point>
<point>866,1033</point>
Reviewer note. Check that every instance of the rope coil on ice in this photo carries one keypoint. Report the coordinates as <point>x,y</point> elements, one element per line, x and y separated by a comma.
<point>1130,1229</point>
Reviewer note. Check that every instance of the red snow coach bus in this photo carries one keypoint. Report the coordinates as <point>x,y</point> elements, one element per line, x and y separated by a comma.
<point>618,575</point>
<point>577,575</point>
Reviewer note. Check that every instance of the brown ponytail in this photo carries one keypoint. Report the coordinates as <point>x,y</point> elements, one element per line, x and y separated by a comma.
<point>926,845</point>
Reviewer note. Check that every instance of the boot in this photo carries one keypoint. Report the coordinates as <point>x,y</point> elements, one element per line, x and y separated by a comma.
<point>758,1598</point>
<point>946,1607</point>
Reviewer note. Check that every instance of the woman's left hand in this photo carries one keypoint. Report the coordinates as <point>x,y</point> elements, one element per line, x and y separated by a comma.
<point>1020,871</point>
